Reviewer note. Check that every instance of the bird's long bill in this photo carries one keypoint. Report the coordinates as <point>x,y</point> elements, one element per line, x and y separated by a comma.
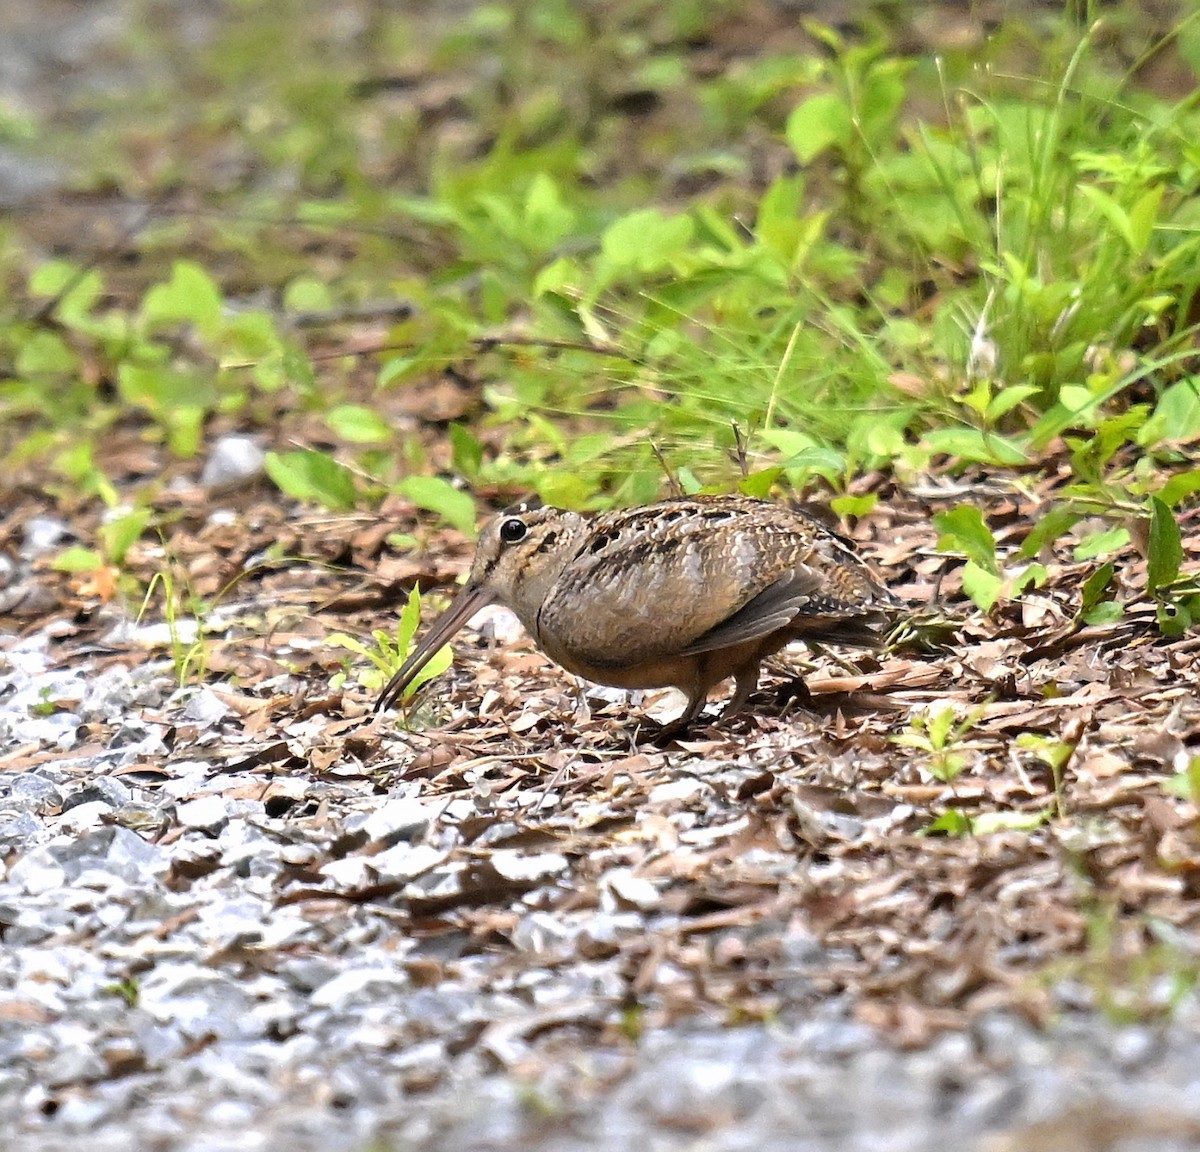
<point>468,601</point>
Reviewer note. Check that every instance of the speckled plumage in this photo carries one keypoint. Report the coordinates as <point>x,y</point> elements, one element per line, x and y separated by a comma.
<point>686,592</point>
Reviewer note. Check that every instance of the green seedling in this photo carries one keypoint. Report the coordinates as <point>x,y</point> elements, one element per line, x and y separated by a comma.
<point>390,651</point>
<point>938,732</point>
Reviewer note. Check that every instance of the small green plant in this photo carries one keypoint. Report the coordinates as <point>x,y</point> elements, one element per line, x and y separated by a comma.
<point>127,989</point>
<point>1177,599</point>
<point>1094,607</point>
<point>632,1023</point>
<point>938,732</point>
<point>956,822</point>
<point>45,705</point>
<point>105,566</point>
<point>985,579</point>
<point>390,652</point>
<point>1186,783</point>
<point>312,476</point>
<point>1133,965</point>
<point>1055,754</point>
<point>184,614</point>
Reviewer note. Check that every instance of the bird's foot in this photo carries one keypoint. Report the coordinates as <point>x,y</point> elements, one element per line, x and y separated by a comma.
<point>794,691</point>
<point>667,733</point>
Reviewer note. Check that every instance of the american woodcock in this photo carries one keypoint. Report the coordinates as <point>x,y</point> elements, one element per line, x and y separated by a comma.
<point>685,593</point>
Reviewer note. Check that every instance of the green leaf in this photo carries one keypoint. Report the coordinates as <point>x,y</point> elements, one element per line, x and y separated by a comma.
<point>159,389</point>
<point>190,296</point>
<point>556,276</point>
<point>358,424</point>
<point>939,724</point>
<point>433,493</point>
<point>77,559</point>
<point>644,241</point>
<point>409,622</point>
<point>1032,576</point>
<point>953,822</point>
<point>1048,529</point>
<point>178,399</point>
<point>1142,218</point>
<point>1110,210</point>
<point>549,220</point>
<point>1008,398</point>
<point>307,294</point>
<point>253,338</point>
<point>962,529</point>
<point>881,96</point>
<point>789,441</point>
<point>314,477</point>
<point>984,587</point>
<point>78,463</point>
<point>777,225</point>
<point>53,277</point>
<point>567,489</point>
<point>466,451</point>
<point>397,368</point>
<point>1077,398</point>
<point>817,124</point>
<point>120,534</point>
<point>974,444</point>
<point>846,506</point>
<point>45,353</point>
<point>1175,617</point>
<point>1179,487</point>
<point>1185,784</point>
<point>759,484</point>
<point>1166,548</point>
<point>1053,752</point>
<point>826,462</point>
<point>988,822</point>
<point>1176,416</point>
<point>185,431</point>
<point>406,631</point>
<point>351,643</point>
<point>77,290</point>
<point>388,652</point>
<point>885,441</point>
<point>1106,612</point>
<point>1101,543</point>
<point>1095,586</point>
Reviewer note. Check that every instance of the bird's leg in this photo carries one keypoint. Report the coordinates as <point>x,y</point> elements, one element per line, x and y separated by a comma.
<point>697,698</point>
<point>745,680</point>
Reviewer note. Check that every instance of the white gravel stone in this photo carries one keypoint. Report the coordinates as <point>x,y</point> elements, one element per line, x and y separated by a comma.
<point>352,872</point>
<point>206,813</point>
<point>38,872</point>
<point>42,534</point>
<point>516,865</point>
<point>632,890</point>
<point>358,984</point>
<point>402,819</point>
<point>406,862</point>
<point>83,816</point>
<point>205,707</point>
<point>679,791</point>
<point>233,460</point>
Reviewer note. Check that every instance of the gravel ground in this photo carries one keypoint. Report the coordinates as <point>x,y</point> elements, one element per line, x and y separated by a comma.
<point>157,993</point>
<point>155,990</point>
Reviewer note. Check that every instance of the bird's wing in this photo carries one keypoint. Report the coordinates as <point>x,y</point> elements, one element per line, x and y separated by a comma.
<point>775,607</point>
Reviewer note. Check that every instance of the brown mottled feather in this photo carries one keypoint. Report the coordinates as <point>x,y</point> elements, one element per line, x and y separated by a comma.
<point>685,592</point>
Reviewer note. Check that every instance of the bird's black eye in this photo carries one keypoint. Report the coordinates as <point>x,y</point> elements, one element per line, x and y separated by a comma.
<point>512,531</point>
